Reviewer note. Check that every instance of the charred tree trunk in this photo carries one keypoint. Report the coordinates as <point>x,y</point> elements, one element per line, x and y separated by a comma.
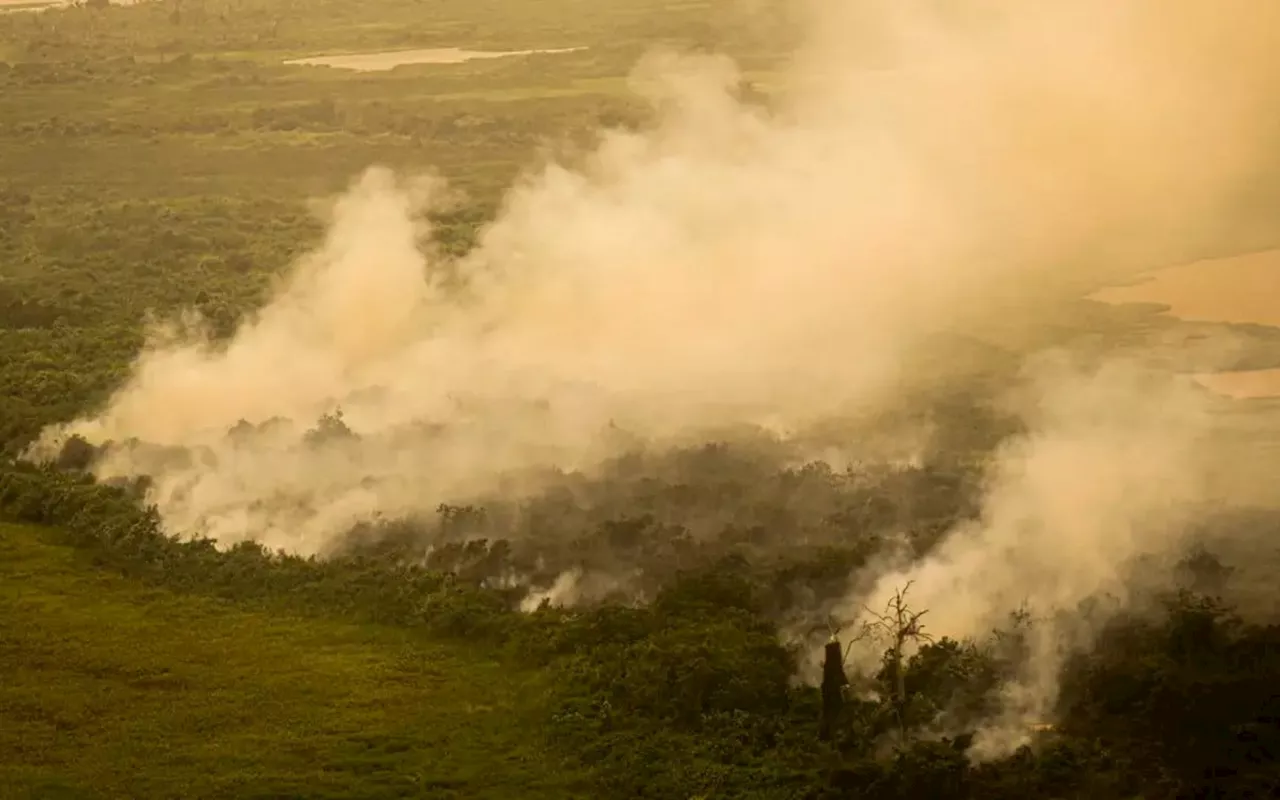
<point>833,683</point>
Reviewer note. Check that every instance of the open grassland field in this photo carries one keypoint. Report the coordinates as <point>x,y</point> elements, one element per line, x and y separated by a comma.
<point>1036,559</point>
<point>114,688</point>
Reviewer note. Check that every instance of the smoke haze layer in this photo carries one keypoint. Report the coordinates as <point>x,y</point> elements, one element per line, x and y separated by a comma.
<point>926,169</point>
<point>1114,468</point>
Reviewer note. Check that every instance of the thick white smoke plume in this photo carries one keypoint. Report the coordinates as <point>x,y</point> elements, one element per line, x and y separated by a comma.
<point>1114,466</point>
<point>1099,478</point>
<point>928,168</point>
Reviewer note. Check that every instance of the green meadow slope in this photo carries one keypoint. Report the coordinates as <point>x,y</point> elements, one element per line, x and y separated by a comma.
<point>113,688</point>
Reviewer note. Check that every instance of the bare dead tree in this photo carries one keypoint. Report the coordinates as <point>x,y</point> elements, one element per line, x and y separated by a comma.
<point>898,624</point>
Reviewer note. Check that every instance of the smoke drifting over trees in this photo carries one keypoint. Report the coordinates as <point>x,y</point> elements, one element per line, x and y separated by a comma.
<point>781,276</point>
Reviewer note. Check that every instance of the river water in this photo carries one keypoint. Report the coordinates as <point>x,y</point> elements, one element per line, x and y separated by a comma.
<point>1239,289</point>
<point>379,62</point>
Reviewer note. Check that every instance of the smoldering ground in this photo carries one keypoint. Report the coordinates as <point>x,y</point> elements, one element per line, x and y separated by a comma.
<point>930,172</point>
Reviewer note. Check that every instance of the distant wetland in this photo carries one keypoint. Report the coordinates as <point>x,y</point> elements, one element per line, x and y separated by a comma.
<point>1242,289</point>
<point>388,60</point>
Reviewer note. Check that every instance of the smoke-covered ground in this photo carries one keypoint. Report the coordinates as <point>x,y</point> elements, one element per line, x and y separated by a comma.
<point>813,281</point>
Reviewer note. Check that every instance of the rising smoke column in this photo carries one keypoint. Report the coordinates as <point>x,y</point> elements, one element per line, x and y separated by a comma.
<point>1116,463</point>
<point>926,168</point>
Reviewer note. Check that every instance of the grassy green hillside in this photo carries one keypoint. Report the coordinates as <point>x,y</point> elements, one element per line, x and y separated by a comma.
<point>113,688</point>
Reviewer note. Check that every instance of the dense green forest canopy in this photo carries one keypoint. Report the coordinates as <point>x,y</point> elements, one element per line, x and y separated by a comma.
<point>650,626</point>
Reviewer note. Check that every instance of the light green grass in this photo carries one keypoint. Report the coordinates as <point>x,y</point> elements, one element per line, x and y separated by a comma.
<point>109,688</point>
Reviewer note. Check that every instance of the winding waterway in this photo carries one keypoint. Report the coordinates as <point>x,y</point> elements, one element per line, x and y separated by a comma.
<point>380,62</point>
<point>1241,289</point>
